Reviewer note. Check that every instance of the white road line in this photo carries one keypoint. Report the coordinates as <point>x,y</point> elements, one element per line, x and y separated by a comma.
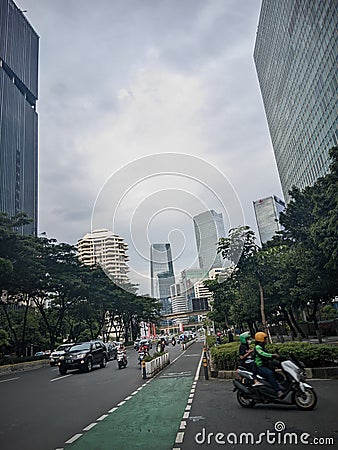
<point>190,400</point>
<point>121,403</point>
<point>9,379</point>
<point>188,408</point>
<point>133,393</point>
<point>102,417</point>
<point>179,438</point>
<point>61,378</point>
<point>89,427</point>
<point>186,415</point>
<point>74,438</point>
<point>183,425</point>
<point>112,410</point>
<point>198,368</point>
<point>128,398</point>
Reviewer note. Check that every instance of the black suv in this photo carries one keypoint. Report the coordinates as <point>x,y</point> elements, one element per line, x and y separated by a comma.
<point>83,356</point>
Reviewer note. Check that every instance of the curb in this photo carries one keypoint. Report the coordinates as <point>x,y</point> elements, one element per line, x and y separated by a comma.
<point>314,372</point>
<point>23,367</point>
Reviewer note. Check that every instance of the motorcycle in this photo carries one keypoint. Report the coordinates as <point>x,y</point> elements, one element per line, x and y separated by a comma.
<point>292,381</point>
<point>122,360</point>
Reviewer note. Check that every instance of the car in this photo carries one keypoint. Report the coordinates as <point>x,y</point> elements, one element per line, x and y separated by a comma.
<point>39,354</point>
<point>83,356</point>
<point>111,350</point>
<point>55,355</point>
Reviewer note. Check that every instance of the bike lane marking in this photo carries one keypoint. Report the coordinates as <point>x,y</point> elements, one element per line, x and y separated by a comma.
<point>180,434</point>
<point>147,421</point>
<point>150,419</point>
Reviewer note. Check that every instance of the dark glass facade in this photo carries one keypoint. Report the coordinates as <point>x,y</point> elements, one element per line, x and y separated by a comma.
<point>161,270</point>
<point>296,60</point>
<point>19,50</point>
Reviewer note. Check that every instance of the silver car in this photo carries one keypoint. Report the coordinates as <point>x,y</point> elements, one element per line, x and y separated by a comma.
<point>55,355</point>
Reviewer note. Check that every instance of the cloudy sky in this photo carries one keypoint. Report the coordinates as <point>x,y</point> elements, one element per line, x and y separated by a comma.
<point>149,113</point>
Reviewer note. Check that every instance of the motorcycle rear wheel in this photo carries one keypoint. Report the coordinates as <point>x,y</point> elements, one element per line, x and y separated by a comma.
<point>305,401</point>
<point>244,401</point>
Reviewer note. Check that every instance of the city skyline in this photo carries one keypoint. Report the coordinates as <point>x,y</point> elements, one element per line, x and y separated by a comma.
<point>172,80</point>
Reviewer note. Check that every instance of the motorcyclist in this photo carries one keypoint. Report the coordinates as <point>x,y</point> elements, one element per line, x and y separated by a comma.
<point>122,349</point>
<point>262,358</point>
<point>246,354</point>
<point>162,344</point>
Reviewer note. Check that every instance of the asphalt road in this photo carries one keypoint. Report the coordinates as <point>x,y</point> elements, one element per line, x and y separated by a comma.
<point>41,410</point>
<point>109,409</point>
<point>215,411</point>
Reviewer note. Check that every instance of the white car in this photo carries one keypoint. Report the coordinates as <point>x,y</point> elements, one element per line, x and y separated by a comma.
<point>55,355</point>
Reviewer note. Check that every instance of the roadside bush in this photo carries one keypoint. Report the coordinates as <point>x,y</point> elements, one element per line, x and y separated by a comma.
<point>225,356</point>
<point>312,355</point>
<point>21,359</point>
<point>211,340</point>
<point>150,358</point>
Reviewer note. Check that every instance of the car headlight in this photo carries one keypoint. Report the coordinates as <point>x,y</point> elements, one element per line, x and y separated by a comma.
<point>62,358</point>
<point>81,355</point>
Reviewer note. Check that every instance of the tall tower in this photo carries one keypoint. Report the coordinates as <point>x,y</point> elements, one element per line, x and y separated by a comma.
<point>267,211</point>
<point>296,60</point>
<point>209,227</point>
<point>106,249</point>
<point>161,270</point>
<point>19,52</point>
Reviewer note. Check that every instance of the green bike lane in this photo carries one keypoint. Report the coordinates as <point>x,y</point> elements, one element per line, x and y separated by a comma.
<point>150,417</point>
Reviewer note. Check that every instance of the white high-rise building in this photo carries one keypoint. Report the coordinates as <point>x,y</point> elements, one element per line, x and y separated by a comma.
<point>108,250</point>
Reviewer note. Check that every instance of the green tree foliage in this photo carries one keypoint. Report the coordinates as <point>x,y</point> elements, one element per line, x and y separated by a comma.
<point>48,296</point>
<point>296,271</point>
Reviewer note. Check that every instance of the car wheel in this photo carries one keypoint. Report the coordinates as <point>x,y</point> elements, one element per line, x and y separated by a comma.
<point>103,363</point>
<point>89,365</point>
<point>62,370</point>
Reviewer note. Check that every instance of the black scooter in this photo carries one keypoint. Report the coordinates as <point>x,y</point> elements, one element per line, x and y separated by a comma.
<point>292,381</point>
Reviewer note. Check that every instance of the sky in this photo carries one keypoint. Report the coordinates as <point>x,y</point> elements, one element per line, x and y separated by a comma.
<point>150,113</point>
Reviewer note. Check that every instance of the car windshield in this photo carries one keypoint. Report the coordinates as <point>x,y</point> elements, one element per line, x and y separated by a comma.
<point>62,347</point>
<point>80,347</point>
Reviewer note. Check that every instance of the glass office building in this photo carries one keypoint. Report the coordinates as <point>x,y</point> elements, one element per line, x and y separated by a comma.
<point>19,50</point>
<point>267,212</point>
<point>209,227</point>
<point>296,61</point>
<point>161,270</point>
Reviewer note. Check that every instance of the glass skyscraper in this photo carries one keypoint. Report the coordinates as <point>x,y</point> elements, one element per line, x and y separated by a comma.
<point>209,227</point>
<point>19,50</point>
<point>267,211</point>
<point>161,270</point>
<point>296,60</point>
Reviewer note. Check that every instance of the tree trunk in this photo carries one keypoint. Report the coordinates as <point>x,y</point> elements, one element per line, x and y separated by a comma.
<point>262,307</point>
<point>294,321</point>
<point>288,321</point>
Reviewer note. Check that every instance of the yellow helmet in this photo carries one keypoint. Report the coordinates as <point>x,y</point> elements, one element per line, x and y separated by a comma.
<point>260,336</point>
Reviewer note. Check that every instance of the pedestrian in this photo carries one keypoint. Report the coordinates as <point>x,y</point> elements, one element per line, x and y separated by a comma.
<point>230,336</point>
